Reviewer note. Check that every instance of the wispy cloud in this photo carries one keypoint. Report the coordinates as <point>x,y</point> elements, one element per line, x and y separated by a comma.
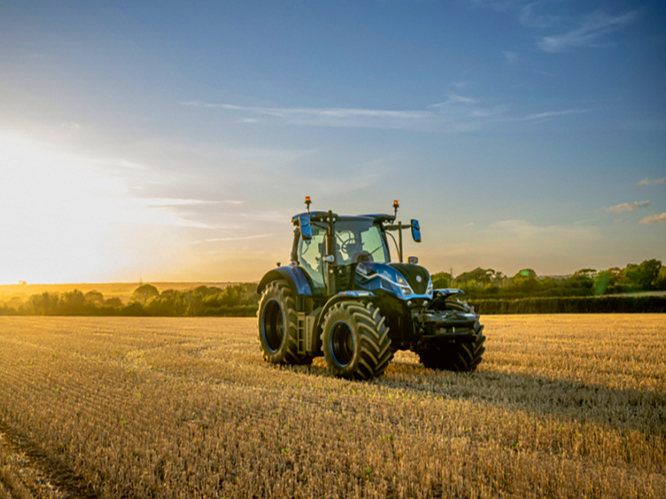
<point>531,18</point>
<point>510,57</point>
<point>315,112</point>
<point>551,114</point>
<point>647,181</point>
<point>587,34</point>
<point>654,219</point>
<point>458,113</point>
<point>119,162</point>
<point>69,125</point>
<point>231,238</point>
<point>455,99</point>
<point>628,207</point>
<point>453,115</point>
<point>164,202</point>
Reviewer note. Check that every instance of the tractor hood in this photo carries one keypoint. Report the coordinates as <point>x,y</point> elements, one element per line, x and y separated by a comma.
<point>405,281</point>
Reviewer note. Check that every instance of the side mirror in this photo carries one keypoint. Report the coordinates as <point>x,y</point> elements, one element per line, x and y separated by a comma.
<point>306,228</point>
<point>416,231</point>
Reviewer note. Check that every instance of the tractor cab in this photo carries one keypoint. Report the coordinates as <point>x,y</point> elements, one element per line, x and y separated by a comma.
<point>353,239</point>
<point>332,249</point>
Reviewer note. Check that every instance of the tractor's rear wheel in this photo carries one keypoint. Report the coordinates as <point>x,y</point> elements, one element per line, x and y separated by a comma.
<point>278,328</point>
<point>355,340</point>
<point>459,356</point>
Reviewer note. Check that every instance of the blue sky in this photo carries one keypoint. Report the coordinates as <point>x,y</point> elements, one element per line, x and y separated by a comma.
<point>173,141</point>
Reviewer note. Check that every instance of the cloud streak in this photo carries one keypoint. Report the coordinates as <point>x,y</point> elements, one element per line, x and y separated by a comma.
<point>552,114</point>
<point>510,56</point>
<point>596,26</point>
<point>628,207</point>
<point>654,219</point>
<point>315,112</point>
<point>647,181</point>
<point>456,114</point>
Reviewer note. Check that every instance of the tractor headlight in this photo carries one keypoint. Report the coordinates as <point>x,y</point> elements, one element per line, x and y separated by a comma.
<point>430,289</point>
<point>403,285</point>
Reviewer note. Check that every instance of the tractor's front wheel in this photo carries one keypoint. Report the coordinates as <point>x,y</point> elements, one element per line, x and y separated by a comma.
<point>278,328</point>
<point>355,340</point>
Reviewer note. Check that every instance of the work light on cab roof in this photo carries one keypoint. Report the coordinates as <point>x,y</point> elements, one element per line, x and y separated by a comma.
<point>343,297</point>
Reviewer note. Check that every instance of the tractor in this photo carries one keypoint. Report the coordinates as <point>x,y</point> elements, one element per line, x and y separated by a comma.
<point>342,297</point>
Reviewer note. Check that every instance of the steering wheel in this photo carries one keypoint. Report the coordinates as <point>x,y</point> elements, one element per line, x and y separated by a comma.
<point>351,241</point>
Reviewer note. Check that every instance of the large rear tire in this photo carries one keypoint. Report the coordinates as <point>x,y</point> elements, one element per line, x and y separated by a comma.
<point>459,356</point>
<point>355,340</point>
<point>278,327</point>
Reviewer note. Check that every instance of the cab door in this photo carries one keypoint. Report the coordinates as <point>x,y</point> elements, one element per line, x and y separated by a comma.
<point>310,258</point>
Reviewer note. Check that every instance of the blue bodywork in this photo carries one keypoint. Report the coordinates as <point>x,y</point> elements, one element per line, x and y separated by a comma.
<point>374,276</point>
<point>294,275</point>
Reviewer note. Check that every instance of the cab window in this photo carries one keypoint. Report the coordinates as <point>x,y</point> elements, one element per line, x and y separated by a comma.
<point>310,255</point>
<point>359,240</point>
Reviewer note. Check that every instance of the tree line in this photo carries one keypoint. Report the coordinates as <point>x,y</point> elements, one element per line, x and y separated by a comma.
<point>235,301</point>
<point>649,275</point>
<point>489,290</point>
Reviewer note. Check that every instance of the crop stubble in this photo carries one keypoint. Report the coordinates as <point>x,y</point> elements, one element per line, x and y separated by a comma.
<point>562,406</point>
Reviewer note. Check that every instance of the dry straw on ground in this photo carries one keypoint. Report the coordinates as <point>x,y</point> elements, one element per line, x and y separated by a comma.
<point>562,406</point>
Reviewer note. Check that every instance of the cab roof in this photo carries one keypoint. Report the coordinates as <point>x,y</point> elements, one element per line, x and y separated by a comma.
<point>321,216</point>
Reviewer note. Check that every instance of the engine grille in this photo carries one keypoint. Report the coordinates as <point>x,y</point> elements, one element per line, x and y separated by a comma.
<point>410,273</point>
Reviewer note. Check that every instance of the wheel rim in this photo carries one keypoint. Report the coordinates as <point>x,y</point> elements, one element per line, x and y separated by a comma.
<point>342,344</point>
<point>272,325</point>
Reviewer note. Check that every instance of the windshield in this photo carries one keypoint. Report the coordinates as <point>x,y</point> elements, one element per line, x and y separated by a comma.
<point>359,241</point>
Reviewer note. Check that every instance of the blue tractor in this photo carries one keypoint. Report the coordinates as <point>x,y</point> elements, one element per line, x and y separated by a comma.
<point>343,298</point>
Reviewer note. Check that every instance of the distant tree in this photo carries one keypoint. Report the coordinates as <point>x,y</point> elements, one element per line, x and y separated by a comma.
<point>144,293</point>
<point>526,280</point>
<point>526,274</point>
<point>168,303</point>
<point>582,280</point>
<point>661,279</point>
<point>208,290</point>
<point>441,280</point>
<point>44,303</point>
<point>642,276</point>
<point>194,300</point>
<point>15,302</point>
<point>94,298</point>
<point>607,281</point>
<point>133,309</point>
<point>481,276</point>
<point>650,273</point>
<point>72,302</point>
<point>113,302</point>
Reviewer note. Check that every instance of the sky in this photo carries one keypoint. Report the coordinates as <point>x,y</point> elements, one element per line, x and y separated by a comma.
<point>173,141</point>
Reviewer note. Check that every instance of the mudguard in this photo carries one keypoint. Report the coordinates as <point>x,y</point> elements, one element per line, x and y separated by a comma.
<point>294,275</point>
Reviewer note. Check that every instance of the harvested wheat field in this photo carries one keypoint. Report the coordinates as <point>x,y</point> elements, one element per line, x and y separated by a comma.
<point>562,406</point>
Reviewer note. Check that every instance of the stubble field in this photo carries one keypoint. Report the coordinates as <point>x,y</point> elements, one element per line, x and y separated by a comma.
<point>562,406</point>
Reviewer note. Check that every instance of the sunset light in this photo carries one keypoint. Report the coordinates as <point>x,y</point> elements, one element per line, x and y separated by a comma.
<point>332,248</point>
<point>130,149</point>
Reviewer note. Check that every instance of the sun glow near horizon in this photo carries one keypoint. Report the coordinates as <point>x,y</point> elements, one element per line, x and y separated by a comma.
<point>66,220</point>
